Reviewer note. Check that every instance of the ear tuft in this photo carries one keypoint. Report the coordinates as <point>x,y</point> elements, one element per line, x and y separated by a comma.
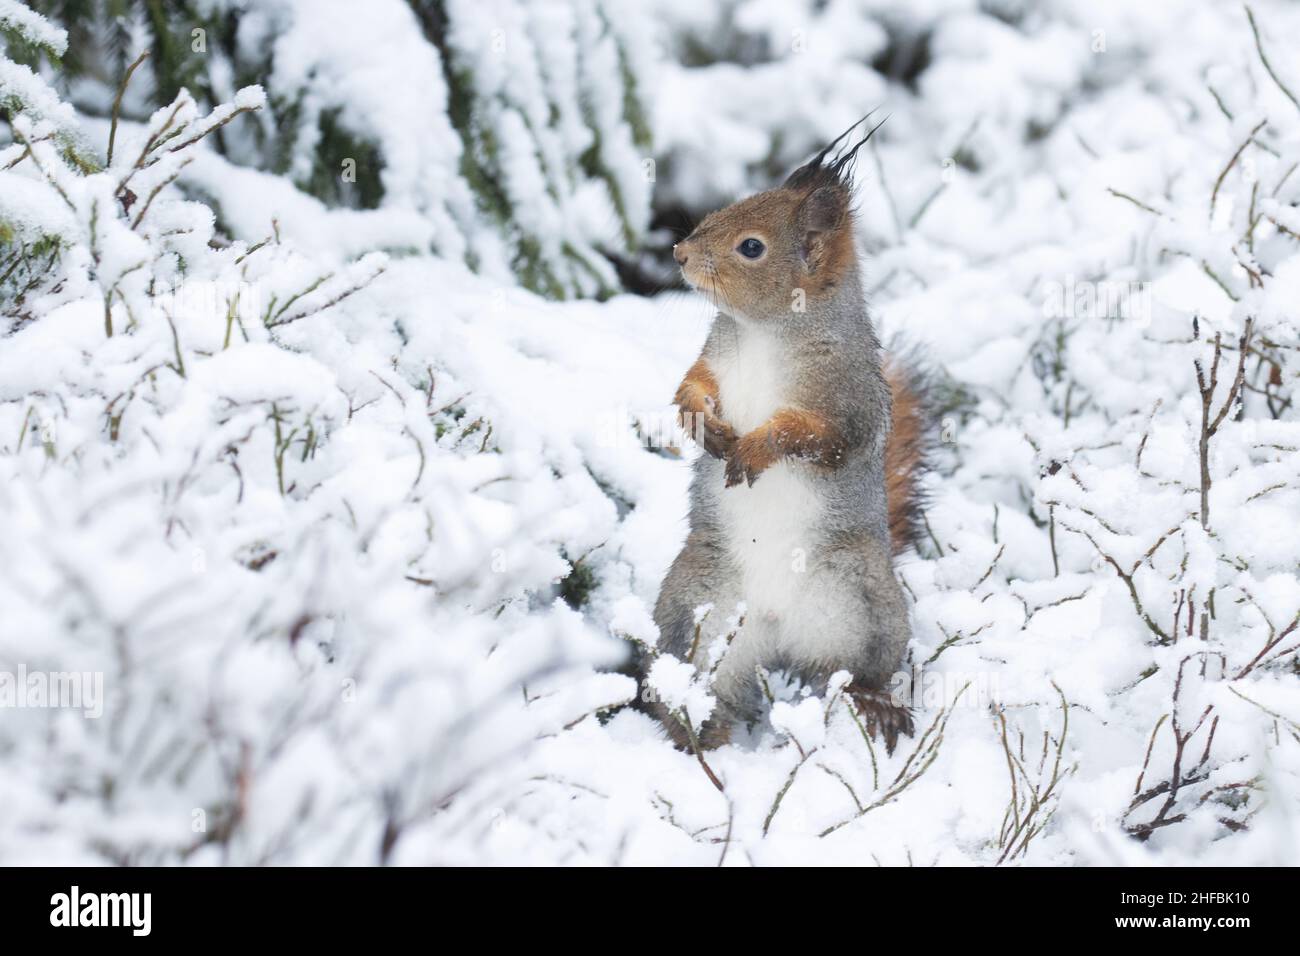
<point>817,172</point>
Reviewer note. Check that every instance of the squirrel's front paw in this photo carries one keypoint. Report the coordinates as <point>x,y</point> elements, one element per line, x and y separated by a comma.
<point>736,473</point>
<point>709,431</point>
<point>752,456</point>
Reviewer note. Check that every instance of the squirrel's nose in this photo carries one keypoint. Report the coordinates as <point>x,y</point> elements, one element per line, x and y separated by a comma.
<point>679,253</point>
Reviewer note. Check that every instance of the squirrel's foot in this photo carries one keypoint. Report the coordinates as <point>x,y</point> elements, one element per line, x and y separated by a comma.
<point>882,717</point>
<point>716,731</point>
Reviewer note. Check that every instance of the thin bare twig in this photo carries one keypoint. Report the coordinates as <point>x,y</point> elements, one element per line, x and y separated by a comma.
<point>117,103</point>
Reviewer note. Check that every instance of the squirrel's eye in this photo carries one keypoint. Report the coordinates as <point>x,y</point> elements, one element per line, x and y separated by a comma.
<point>751,248</point>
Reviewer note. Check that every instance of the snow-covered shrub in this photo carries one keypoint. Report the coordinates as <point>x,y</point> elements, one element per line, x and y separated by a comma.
<point>259,531</point>
<point>1131,440</point>
<point>23,90</point>
<point>518,131</point>
<point>308,510</point>
<point>1069,203</point>
<point>767,83</point>
<point>1180,485</point>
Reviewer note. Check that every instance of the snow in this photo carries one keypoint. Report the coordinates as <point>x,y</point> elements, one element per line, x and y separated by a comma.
<point>309,507</point>
<point>32,208</point>
<point>360,65</point>
<point>34,27</point>
<point>18,82</point>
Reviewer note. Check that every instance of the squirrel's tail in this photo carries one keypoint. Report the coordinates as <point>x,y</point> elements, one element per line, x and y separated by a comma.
<point>907,452</point>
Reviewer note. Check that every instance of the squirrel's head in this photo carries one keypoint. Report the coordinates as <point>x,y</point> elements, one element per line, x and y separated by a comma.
<point>777,253</point>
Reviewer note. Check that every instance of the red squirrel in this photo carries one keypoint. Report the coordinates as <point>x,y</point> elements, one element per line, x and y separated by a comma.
<point>814,451</point>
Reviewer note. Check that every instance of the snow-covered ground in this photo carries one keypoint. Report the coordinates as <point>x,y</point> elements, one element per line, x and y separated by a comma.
<point>312,511</point>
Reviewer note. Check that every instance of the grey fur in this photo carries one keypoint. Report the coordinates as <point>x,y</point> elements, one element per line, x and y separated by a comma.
<point>851,614</point>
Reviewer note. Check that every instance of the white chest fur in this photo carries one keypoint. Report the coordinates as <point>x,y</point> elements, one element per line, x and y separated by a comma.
<point>772,526</point>
<point>751,379</point>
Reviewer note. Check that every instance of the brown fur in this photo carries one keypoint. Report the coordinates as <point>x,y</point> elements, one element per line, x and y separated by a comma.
<point>880,715</point>
<point>809,248</point>
<point>697,386</point>
<point>802,434</point>
<point>699,411</point>
<point>905,453</point>
<point>790,432</point>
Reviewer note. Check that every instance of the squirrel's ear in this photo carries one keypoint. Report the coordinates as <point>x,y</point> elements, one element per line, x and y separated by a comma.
<point>820,214</point>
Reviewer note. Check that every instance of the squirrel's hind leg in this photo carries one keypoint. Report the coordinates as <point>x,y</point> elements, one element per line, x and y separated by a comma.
<point>884,632</point>
<point>702,573</point>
